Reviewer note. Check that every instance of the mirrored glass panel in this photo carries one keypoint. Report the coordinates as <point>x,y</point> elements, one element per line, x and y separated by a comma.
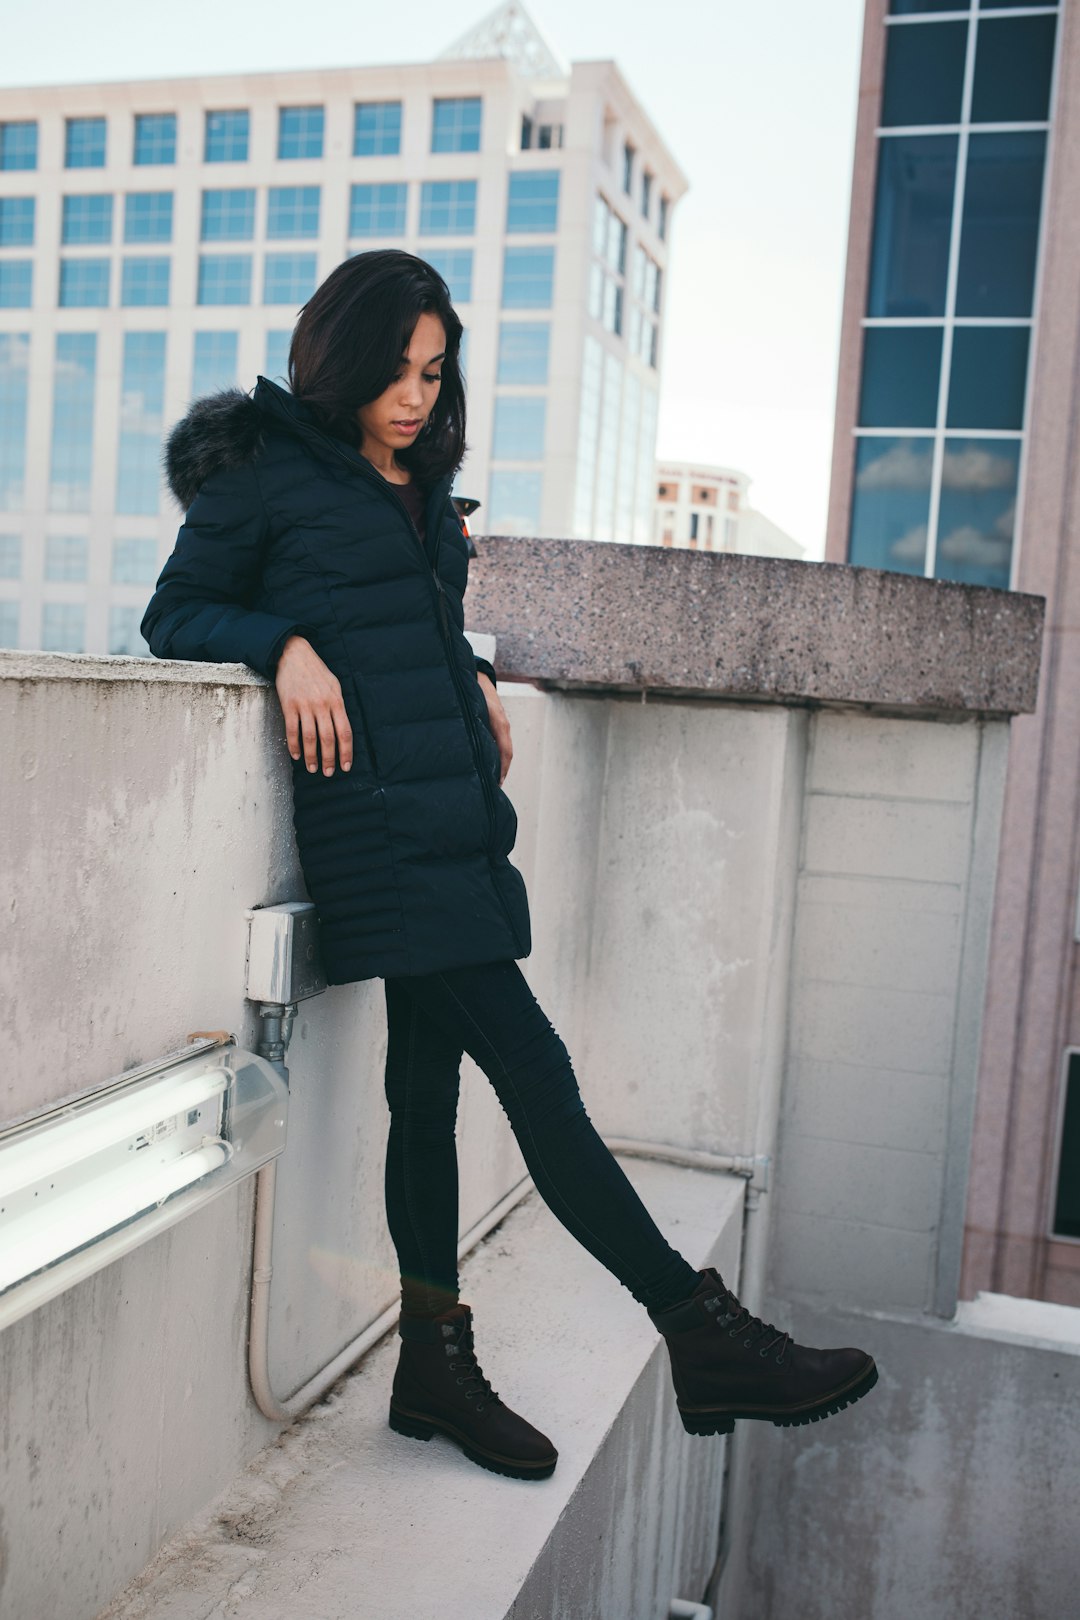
<point>1000,230</point>
<point>901,371</point>
<point>924,73</point>
<point>890,507</point>
<point>1013,61</point>
<point>977,511</point>
<point>986,379</point>
<point>912,221</point>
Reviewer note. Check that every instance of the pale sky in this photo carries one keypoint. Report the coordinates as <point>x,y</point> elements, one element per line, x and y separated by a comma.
<point>756,103</point>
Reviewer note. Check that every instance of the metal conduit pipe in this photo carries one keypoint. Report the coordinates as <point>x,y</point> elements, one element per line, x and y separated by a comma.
<point>285,1411</point>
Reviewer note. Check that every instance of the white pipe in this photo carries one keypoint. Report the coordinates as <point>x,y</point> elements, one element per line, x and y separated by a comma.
<point>262,1271</point>
<point>683,1609</point>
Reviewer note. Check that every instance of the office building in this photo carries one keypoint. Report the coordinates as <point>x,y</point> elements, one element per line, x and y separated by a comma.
<point>158,238</point>
<point>956,456</point>
<point>706,508</point>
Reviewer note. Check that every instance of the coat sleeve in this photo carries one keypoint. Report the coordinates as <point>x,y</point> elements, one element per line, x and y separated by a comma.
<point>199,609</point>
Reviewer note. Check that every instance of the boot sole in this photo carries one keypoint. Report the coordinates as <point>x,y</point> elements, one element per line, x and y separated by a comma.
<point>721,1420</point>
<point>420,1426</point>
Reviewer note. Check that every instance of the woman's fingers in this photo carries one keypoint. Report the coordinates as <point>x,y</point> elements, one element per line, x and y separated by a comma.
<point>344,735</point>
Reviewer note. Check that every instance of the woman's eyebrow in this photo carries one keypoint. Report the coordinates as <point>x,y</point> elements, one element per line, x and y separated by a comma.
<point>440,356</point>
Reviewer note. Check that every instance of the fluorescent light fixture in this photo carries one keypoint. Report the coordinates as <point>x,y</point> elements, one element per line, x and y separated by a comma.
<point>102,1171</point>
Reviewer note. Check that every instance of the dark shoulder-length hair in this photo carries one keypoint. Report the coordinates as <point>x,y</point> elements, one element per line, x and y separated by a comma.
<point>347,348</point>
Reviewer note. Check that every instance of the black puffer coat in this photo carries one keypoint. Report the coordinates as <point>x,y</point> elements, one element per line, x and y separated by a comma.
<point>290,530</point>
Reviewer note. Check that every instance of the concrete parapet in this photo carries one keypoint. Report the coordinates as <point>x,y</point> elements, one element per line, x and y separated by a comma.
<point>623,617</point>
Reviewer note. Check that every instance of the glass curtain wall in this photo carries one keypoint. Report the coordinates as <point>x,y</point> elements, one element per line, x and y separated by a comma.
<point>947,330</point>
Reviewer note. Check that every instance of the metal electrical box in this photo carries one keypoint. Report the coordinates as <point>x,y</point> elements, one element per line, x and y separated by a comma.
<point>283,959</point>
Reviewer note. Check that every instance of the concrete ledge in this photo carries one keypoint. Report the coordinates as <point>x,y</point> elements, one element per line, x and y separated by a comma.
<point>341,1518</point>
<point>582,613</point>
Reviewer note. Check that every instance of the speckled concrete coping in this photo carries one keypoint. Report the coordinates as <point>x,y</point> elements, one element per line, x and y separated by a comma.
<point>580,613</point>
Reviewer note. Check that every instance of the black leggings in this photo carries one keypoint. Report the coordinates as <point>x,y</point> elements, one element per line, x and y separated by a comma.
<point>490,1012</point>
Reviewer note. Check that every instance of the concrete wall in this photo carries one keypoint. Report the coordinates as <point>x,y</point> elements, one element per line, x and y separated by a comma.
<point>661,844</point>
<point>950,1493</point>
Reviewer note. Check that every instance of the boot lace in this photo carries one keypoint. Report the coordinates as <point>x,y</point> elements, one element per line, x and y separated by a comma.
<point>470,1375</point>
<point>736,1320</point>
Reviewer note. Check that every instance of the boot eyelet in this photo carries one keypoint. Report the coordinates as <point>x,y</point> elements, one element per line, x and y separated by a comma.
<point>747,1343</point>
<point>763,1354</point>
<point>459,1380</point>
<point>779,1360</point>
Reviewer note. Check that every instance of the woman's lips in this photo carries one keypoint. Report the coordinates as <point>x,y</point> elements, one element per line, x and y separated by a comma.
<point>406,427</point>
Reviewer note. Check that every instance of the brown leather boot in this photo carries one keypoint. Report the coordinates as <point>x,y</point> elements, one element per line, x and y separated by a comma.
<point>727,1364</point>
<point>438,1386</point>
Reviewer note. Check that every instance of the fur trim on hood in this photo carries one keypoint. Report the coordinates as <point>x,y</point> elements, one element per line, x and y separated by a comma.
<point>219,430</point>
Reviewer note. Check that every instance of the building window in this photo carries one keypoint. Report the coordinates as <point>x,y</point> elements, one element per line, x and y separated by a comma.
<point>300,132</point>
<point>278,344</point>
<point>18,144</point>
<point>999,227</point>
<point>528,277</point>
<point>532,202</point>
<point>226,137</point>
<point>142,405</point>
<point>912,225</point>
<point>16,283</point>
<point>455,265</point>
<point>523,352</point>
<point>228,215</point>
<point>514,502</point>
<point>628,167</point>
<point>455,124</point>
<point>951,294</point>
<point>14,376</point>
<point>63,627</point>
<point>224,278</point>
<point>549,136</point>
<point>891,503</point>
<point>289,278</point>
<point>84,143</point>
<point>66,557</point>
<point>215,362</point>
<point>1066,1220</point>
<point>376,128</point>
<point>134,562</point>
<point>924,74</point>
<point>10,556</point>
<point>519,428</point>
<point>448,207</point>
<point>662,218</point>
<point>145,282</point>
<point>84,283</point>
<point>87,218</point>
<point>9,624</point>
<point>155,138</point>
<point>17,221</point>
<point>125,638</point>
<point>646,192</point>
<point>292,211</point>
<point>379,209</point>
<point>148,216</point>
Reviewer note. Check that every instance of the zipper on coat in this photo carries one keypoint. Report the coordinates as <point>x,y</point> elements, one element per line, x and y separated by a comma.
<point>440,596</point>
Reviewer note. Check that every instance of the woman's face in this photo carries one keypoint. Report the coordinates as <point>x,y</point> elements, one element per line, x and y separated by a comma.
<point>393,421</point>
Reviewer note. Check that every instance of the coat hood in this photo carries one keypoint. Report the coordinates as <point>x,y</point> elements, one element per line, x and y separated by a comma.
<point>220,430</point>
<point>225,429</point>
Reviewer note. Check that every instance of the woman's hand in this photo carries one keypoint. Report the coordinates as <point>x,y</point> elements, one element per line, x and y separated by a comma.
<point>310,697</point>
<point>500,725</point>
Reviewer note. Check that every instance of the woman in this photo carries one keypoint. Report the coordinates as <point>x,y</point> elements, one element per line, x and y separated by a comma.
<point>320,547</point>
